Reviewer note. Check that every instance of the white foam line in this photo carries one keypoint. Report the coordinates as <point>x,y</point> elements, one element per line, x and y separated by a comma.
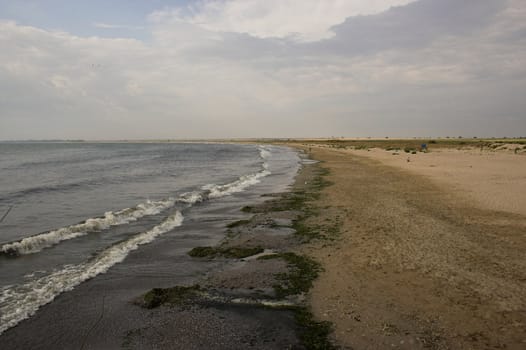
<point>19,302</point>
<point>192,197</point>
<point>34,244</point>
<point>245,181</point>
<point>264,152</point>
<point>37,243</point>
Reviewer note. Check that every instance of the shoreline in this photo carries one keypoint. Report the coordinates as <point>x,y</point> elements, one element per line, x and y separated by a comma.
<point>245,291</point>
<point>100,311</point>
<point>265,279</point>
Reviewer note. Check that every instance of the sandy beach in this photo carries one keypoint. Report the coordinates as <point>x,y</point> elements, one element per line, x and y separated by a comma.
<point>430,249</point>
<point>368,249</point>
<point>489,180</point>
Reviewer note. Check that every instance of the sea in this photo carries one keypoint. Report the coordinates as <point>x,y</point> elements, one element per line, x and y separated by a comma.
<point>74,212</point>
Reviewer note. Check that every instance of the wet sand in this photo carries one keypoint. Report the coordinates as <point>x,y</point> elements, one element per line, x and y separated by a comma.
<point>237,306</point>
<point>422,260</point>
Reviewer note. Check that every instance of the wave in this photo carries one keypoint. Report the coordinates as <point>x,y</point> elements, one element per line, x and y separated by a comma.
<point>264,152</point>
<point>216,191</point>
<point>243,182</point>
<point>22,301</point>
<point>36,243</point>
<point>18,302</point>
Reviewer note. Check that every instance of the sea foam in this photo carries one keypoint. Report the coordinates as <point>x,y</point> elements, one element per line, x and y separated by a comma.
<point>36,243</point>
<point>18,302</point>
<point>243,182</point>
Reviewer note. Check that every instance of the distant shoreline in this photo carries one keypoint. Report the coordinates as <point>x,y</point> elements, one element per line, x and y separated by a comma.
<point>323,140</point>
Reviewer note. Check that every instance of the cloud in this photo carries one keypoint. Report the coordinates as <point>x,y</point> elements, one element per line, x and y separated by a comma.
<point>412,26</point>
<point>116,26</point>
<point>302,20</point>
<point>428,68</point>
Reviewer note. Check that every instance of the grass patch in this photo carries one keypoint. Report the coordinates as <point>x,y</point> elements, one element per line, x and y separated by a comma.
<point>308,232</point>
<point>297,199</point>
<point>173,296</point>
<point>232,252</point>
<point>302,272</point>
<point>326,231</point>
<point>402,143</point>
<point>289,201</point>
<point>319,181</point>
<point>241,252</point>
<point>361,147</point>
<point>313,192</point>
<point>238,223</point>
<point>202,252</point>
<point>314,335</point>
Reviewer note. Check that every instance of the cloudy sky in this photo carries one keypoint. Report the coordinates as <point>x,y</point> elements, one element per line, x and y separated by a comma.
<point>140,69</point>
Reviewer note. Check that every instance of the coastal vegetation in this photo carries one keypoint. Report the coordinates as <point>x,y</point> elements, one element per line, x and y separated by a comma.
<point>302,272</point>
<point>294,279</point>
<point>313,334</point>
<point>237,223</point>
<point>230,252</point>
<point>410,143</point>
<point>173,296</point>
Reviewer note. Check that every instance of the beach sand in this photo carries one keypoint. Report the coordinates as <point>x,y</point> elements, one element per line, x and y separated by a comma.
<point>430,251</point>
<point>489,180</point>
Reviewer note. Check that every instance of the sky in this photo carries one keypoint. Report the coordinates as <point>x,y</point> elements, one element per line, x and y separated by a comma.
<point>177,69</point>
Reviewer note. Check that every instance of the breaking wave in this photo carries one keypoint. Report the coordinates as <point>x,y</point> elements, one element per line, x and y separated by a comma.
<point>216,191</point>
<point>18,302</point>
<point>242,183</point>
<point>22,301</point>
<point>36,243</point>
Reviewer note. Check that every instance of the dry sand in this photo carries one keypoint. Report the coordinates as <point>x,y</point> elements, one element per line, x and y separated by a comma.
<point>490,180</point>
<point>431,252</point>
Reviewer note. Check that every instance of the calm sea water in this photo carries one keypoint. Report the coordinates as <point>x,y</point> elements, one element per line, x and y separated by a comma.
<point>74,210</point>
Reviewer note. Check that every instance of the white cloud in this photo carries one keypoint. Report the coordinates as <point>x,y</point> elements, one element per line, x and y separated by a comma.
<point>190,81</point>
<point>116,26</point>
<point>303,20</point>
